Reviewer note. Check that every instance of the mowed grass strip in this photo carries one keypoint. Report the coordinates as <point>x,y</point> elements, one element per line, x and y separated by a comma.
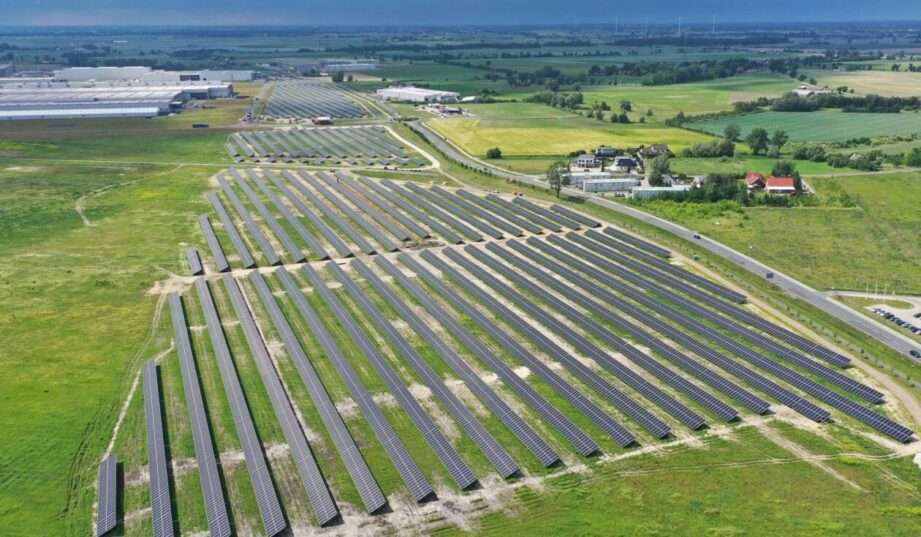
<point>823,126</point>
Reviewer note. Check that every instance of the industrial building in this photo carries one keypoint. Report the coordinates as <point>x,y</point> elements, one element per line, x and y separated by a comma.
<point>652,192</point>
<point>38,101</point>
<point>315,66</point>
<point>417,95</point>
<point>611,185</point>
<point>146,74</point>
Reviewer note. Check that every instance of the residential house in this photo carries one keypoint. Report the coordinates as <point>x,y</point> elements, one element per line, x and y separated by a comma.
<point>605,151</point>
<point>779,185</point>
<point>625,164</point>
<point>654,150</point>
<point>585,162</point>
<point>755,181</point>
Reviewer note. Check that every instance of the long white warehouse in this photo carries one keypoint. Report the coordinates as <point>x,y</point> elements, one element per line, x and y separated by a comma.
<point>417,95</point>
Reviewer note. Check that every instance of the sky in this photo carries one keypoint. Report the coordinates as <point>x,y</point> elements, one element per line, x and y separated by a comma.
<point>440,12</point>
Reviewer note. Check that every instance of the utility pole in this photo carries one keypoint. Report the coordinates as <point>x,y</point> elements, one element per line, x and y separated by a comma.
<point>713,26</point>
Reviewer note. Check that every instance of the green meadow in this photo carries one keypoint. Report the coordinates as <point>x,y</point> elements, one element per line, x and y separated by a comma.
<point>821,126</point>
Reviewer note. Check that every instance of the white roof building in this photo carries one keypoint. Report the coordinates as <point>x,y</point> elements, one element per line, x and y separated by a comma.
<point>417,95</point>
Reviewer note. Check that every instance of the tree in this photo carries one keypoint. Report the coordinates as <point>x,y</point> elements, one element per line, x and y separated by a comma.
<point>779,139</point>
<point>626,106</point>
<point>757,140</point>
<point>558,176</point>
<point>659,167</point>
<point>732,132</point>
<point>785,168</point>
<point>913,157</point>
<point>494,152</point>
<point>599,115</point>
<point>338,76</point>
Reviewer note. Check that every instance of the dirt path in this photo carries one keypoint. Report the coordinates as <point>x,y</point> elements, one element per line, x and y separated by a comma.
<point>81,201</point>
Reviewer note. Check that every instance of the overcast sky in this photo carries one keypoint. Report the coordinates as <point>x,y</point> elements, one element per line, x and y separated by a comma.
<point>413,12</point>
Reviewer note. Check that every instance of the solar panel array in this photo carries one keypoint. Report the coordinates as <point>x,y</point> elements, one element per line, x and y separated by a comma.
<point>106,517</point>
<point>160,507</point>
<point>272,519</point>
<point>213,492</point>
<point>326,146</point>
<point>299,99</point>
<point>671,347</point>
<point>191,255</point>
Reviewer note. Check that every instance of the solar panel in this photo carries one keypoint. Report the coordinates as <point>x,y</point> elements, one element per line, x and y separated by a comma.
<point>106,517</point>
<point>549,215</point>
<point>355,464</point>
<point>625,403</point>
<point>650,340</point>
<point>779,370</point>
<point>161,510</point>
<point>454,211</point>
<point>680,335</point>
<point>270,254</point>
<point>521,212</point>
<point>481,437</point>
<point>649,390</point>
<point>474,210</point>
<point>638,242</point>
<point>293,250</point>
<point>195,268</point>
<point>521,429</point>
<point>245,257</point>
<point>419,200</point>
<point>317,492</point>
<point>359,202</point>
<point>574,216</point>
<point>432,434</point>
<point>484,205</point>
<point>272,519</point>
<point>412,226</point>
<point>537,445</point>
<point>213,493</point>
<point>315,220</point>
<point>327,211</point>
<point>667,267</point>
<point>562,387</point>
<point>435,225</point>
<point>220,262</point>
<point>299,228</point>
<point>730,309</point>
<point>362,222</point>
<point>391,443</point>
<point>758,339</point>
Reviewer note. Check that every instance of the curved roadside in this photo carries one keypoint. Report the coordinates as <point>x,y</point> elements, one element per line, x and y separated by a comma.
<point>883,334</point>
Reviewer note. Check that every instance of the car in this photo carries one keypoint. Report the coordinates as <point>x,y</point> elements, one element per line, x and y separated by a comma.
<point>697,235</point>
<point>915,353</point>
<point>918,315</point>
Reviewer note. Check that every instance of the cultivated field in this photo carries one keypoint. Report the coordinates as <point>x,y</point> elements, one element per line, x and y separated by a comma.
<point>880,81</point>
<point>822,126</point>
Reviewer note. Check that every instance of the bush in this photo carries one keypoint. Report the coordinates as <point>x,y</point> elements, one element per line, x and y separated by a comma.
<point>813,152</point>
<point>494,152</point>
<point>913,157</point>
<point>712,148</point>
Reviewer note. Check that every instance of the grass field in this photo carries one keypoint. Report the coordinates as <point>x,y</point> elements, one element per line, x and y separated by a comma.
<point>822,126</point>
<point>827,248</point>
<point>555,137</point>
<point>741,163</point>
<point>881,81</point>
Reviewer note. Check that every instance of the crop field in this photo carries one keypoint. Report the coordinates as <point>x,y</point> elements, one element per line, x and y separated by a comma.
<point>742,163</point>
<point>880,81</point>
<point>827,248</point>
<point>554,137</point>
<point>822,126</point>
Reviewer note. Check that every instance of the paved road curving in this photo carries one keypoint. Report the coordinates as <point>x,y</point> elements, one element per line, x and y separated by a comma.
<point>884,334</point>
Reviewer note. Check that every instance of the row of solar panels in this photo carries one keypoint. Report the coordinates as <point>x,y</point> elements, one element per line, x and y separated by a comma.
<point>356,145</point>
<point>340,215</point>
<point>305,99</point>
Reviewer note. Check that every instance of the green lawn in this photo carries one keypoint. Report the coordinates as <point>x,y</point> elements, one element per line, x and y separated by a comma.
<point>822,126</point>
<point>741,163</point>
<point>827,248</point>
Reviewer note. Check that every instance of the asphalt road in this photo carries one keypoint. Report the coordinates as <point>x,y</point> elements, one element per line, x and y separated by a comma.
<point>882,333</point>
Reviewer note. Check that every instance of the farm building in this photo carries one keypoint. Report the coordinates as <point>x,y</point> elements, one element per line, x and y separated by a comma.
<point>806,90</point>
<point>754,181</point>
<point>417,95</point>
<point>780,185</point>
<point>611,185</point>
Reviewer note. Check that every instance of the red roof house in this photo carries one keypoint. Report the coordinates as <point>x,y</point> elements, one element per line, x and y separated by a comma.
<point>754,180</point>
<point>780,185</point>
